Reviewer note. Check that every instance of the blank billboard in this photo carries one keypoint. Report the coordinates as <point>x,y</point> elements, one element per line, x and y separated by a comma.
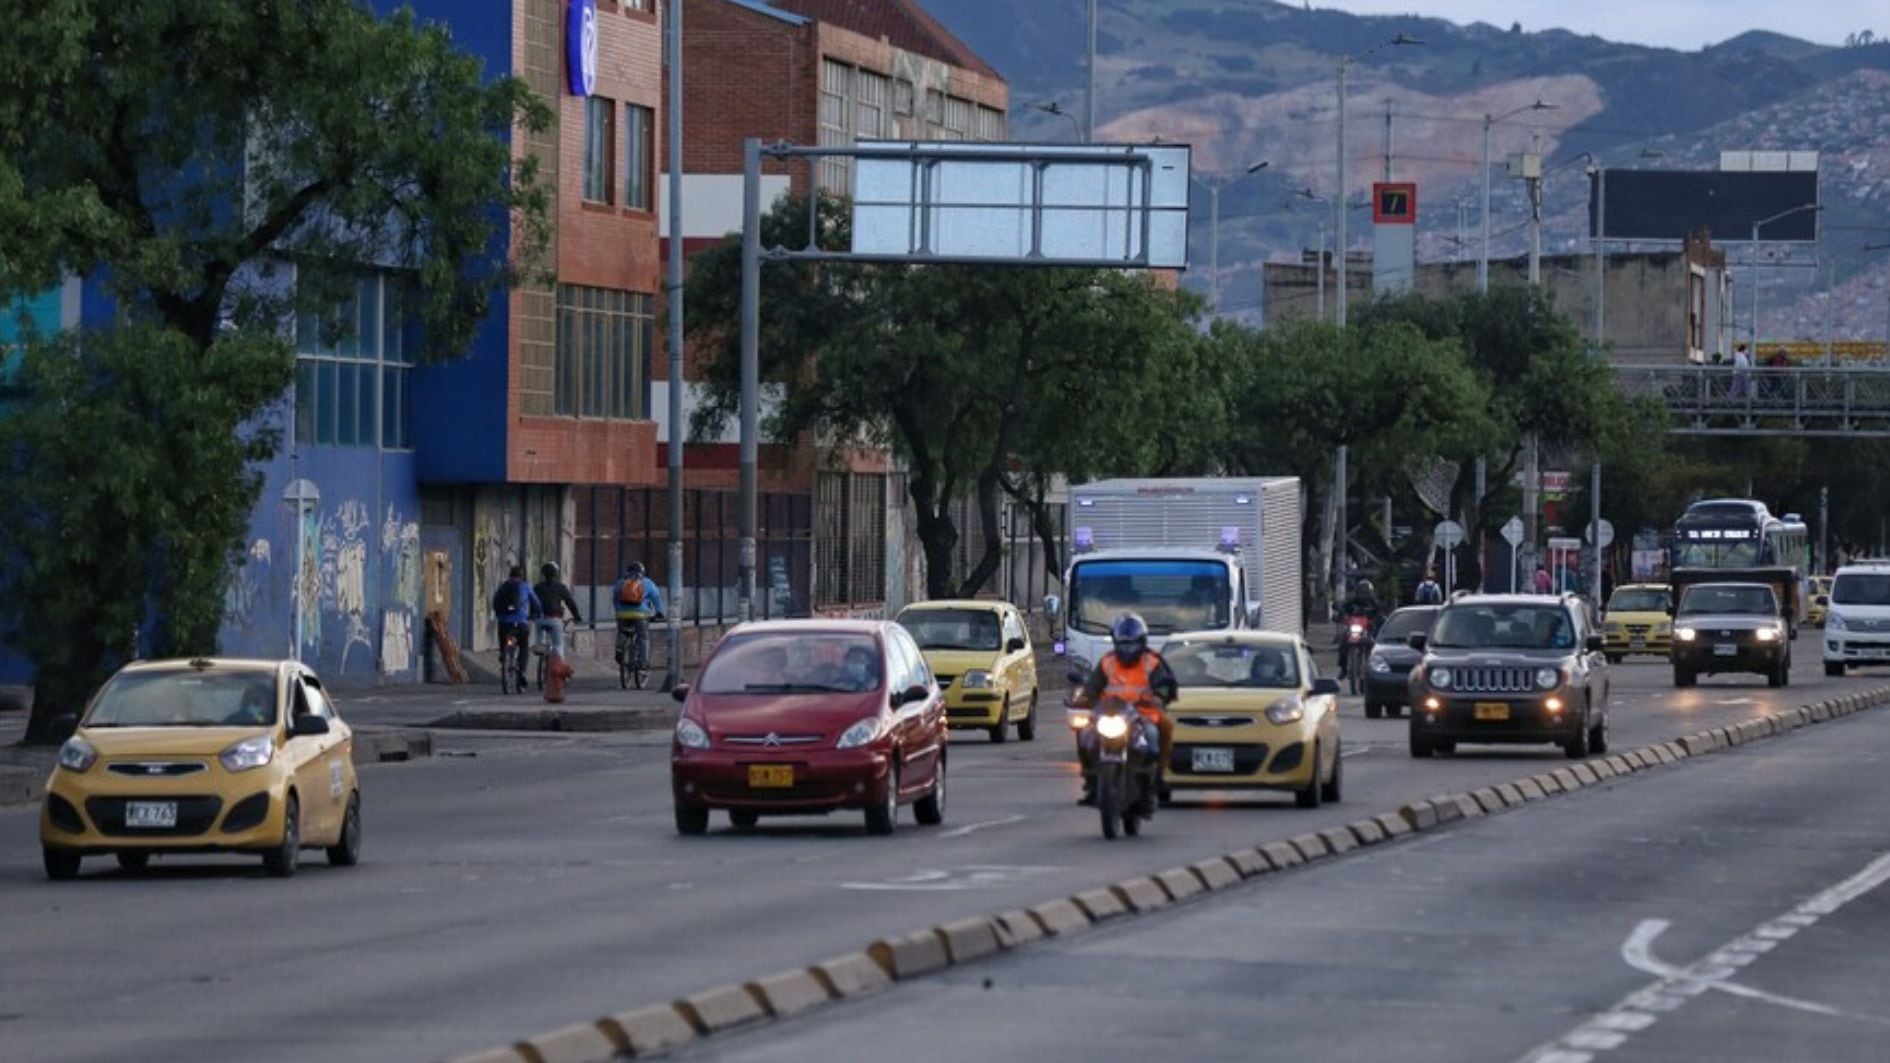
<point>1675,204</point>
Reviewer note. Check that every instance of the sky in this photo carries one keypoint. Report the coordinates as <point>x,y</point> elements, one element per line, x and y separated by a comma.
<point>1683,24</point>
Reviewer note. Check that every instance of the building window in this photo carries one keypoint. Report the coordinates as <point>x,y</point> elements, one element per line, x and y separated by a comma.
<point>836,95</point>
<point>599,117</point>
<point>903,94</point>
<point>604,342</point>
<point>990,124</point>
<point>354,367</point>
<point>636,5</point>
<point>934,108</point>
<point>869,106</point>
<point>957,124</point>
<point>639,139</point>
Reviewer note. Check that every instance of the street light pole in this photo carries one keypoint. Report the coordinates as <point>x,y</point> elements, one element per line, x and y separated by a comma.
<point>1752,335</point>
<point>673,674</point>
<point>1056,108</point>
<point>1215,186</point>
<point>1089,94</point>
<point>1489,122</point>
<point>1338,199</point>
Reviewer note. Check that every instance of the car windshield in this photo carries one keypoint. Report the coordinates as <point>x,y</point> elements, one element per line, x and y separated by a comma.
<point>1170,596</point>
<point>1757,601</point>
<point>1491,626</point>
<point>1638,600</point>
<point>1407,622</point>
<point>953,629</point>
<point>804,662</point>
<point>1859,588</point>
<point>232,698</point>
<point>1211,665</point>
<point>1737,554</point>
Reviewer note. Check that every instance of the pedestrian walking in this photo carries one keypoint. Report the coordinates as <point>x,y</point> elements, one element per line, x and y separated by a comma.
<point>1543,583</point>
<point>1742,372</point>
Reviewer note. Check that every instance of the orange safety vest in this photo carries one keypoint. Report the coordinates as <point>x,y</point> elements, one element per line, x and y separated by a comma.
<point>1133,683</point>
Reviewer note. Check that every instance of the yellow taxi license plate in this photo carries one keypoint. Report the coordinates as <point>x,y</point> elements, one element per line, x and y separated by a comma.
<point>1491,710</point>
<point>770,776</point>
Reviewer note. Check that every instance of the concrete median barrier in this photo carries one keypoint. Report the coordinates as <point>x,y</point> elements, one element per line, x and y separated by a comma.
<point>1060,918</point>
<point>790,993</point>
<point>658,1028</point>
<point>1142,894</point>
<point>1530,790</point>
<point>1420,815</point>
<point>1282,855</point>
<point>1017,928</point>
<point>917,953</point>
<point>1367,831</point>
<point>579,1043</point>
<point>721,1008</point>
<point>1100,905</point>
<point>851,976</point>
<point>1311,846</point>
<point>1338,840</point>
<point>1216,873</point>
<point>967,940</point>
<point>1394,824</point>
<point>1180,883</point>
<point>1251,863</point>
<point>508,1054</point>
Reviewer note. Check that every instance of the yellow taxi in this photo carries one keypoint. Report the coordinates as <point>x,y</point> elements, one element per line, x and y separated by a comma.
<point>204,756</point>
<point>1639,619</point>
<point>982,657</point>
<point>1252,714</point>
<point>1818,597</point>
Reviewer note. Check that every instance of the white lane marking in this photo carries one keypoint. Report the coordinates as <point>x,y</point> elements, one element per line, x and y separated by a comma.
<point>1354,751</point>
<point>959,832</point>
<point>1643,1007</point>
<point>952,879</point>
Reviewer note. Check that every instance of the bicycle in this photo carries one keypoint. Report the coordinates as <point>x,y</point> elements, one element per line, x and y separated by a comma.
<point>634,666</point>
<point>511,664</point>
<point>541,648</point>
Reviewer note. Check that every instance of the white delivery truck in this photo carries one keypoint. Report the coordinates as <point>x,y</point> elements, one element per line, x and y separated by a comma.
<point>1187,555</point>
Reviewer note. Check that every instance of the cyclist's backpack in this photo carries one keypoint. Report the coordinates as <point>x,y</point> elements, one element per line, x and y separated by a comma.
<point>630,592</point>
<point>507,599</point>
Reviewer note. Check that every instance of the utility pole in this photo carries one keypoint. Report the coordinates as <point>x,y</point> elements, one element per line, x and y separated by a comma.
<point>1338,205</point>
<point>1533,168</point>
<point>1322,269</point>
<point>1387,176</point>
<point>750,377</point>
<point>673,674</point>
<point>1824,529</point>
<point>1594,506</point>
<point>1089,67</point>
<point>1601,256</point>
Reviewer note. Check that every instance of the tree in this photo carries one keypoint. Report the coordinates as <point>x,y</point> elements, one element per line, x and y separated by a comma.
<point>987,382</point>
<point>200,147</point>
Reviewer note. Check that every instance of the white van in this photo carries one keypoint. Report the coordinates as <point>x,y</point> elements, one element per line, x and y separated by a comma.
<point>1857,628</point>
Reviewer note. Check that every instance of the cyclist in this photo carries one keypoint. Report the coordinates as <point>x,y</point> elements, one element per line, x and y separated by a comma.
<point>554,596</point>
<point>515,607</point>
<point>638,601</point>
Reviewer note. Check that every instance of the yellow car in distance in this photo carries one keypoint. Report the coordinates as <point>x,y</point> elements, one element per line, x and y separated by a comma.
<point>1252,714</point>
<point>982,658</point>
<point>1639,619</point>
<point>1818,600</point>
<point>204,756</point>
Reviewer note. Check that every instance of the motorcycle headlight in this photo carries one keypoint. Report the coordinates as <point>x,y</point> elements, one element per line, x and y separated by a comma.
<point>1767,634</point>
<point>1112,725</point>
<point>249,754</point>
<point>1377,663</point>
<point>1289,711</point>
<point>1685,634</point>
<point>1441,678</point>
<point>77,754</point>
<point>1079,720</point>
<point>859,734</point>
<point>1833,622</point>
<point>1548,678</point>
<point>690,735</point>
<point>977,680</point>
<point>1357,630</point>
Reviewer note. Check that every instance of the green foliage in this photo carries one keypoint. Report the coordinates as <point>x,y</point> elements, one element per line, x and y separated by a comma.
<point>178,152</point>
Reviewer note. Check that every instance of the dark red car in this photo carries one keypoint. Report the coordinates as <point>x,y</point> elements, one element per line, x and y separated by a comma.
<point>792,717</point>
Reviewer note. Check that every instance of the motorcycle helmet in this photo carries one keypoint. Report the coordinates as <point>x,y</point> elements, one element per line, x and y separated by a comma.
<point>549,571</point>
<point>1365,590</point>
<point>633,570</point>
<point>1130,636</point>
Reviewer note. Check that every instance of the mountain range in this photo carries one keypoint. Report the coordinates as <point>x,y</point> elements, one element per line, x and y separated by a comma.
<point>1250,80</point>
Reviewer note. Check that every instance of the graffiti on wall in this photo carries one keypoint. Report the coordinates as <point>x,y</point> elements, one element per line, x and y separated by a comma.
<point>400,542</point>
<point>243,596</point>
<point>308,581</point>
<point>396,641</point>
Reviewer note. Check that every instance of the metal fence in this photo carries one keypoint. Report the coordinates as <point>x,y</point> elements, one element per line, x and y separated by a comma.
<point>615,526</point>
<point>1764,400</point>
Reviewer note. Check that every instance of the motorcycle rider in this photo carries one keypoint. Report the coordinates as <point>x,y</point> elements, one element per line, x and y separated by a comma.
<point>1135,674</point>
<point>1363,602</point>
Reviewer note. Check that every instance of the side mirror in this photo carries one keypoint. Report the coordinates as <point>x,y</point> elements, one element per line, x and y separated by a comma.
<point>1596,644</point>
<point>1253,617</point>
<point>64,727</point>
<point>913,693</point>
<point>308,726</point>
<point>679,693</point>
<point>1417,640</point>
<point>1014,646</point>
<point>1322,687</point>
<point>1052,605</point>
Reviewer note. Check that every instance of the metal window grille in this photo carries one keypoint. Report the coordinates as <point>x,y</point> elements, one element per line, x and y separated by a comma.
<point>990,124</point>
<point>836,94</point>
<point>830,538</point>
<point>603,352</point>
<point>870,92</point>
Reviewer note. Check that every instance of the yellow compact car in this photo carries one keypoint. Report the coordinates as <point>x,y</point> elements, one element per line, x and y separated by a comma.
<point>1252,713</point>
<point>1818,598</point>
<point>982,658</point>
<point>204,756</point>
<point>1639,619</point>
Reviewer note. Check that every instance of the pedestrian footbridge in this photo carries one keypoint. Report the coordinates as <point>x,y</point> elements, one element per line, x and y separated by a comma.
<point>1795,401</point>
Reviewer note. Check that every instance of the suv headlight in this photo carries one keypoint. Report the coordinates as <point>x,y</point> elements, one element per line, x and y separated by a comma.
<point>690,735</point>
<point>1685,634</point>
<point>249,754</point>
<point>1767,634</point>
<point>1834,622</point>
<point>977,680</point>
<point>1377,663</point>
<point>77,754</point>
<point>859,734</point>
<point>1288,711</point>
<point>1441,678</point>
<point>1548,678</point>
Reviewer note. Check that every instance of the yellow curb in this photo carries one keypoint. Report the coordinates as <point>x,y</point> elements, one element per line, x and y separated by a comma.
<point>1216,873</point>
<point>969,939</point>
<point>851,976</point>
<point>659,1028</point>
<point>721,1008</point>
<point>790,992</point>
<point>1180,882</point>
<point>1142,894</point>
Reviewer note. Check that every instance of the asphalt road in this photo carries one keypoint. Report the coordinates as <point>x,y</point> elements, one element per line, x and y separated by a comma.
<point>538,881</point>
<point>1733,910</point>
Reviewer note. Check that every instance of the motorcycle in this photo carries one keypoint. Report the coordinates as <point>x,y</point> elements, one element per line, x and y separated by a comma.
<point>1125,765</point>
<point>1358,648</point>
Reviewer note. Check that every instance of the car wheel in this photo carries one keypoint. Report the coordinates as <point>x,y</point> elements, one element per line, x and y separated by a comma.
<point>346,852</point>
<point>1684,677</point>
<point>133,862</point>
<point>743,819</point>
<point>1027,727</point>
<point>1334,791</point>
<point>62,865</point>
<point>1834,669</point>
<point>881,818</point>
<point>1310,795</point>
<point>692,820</point>
<point>1577,747</point>
<point>285,858</point>
<point>1373,709</point>
<point>930,809</point>
<point>1421,747</point>
<point>1002,730</point>
<point>1776,677</point>
<point>1598,737</point>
